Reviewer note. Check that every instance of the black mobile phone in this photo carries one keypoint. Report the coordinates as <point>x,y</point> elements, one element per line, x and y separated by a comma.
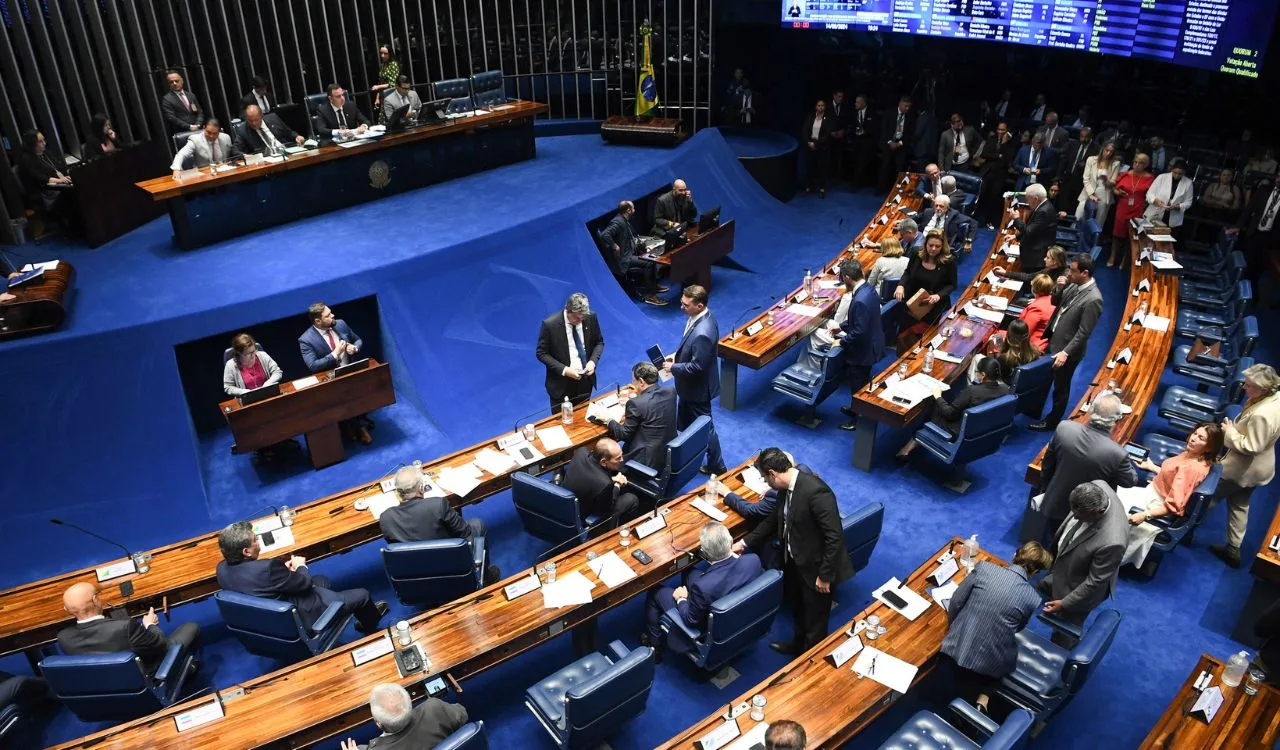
<point>892,597</point>
<point>641,556</point>
<point>1136,452</point>
<point>268,539</point>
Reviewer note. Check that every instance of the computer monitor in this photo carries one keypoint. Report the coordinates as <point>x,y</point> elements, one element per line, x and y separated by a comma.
<point>709,220</point>
<point>434,110</point>
<point>351,367</point>
<point>399,118</point>
<point>259,394</point>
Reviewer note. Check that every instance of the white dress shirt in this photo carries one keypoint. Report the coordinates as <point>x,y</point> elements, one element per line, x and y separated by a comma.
<point>689,324</point>
<point>575,361</point>
<point>333,345</point>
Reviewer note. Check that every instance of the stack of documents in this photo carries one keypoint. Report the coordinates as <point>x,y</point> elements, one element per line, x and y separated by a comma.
<point>611,569</point>
<point>913,390</point>
<point>568,590</point>
<point>973,311</point>
<point>710,510</point>
<point>606,412</point>
<point>554,438</point>
<point>808,311</point>
<point>494,462</point>
<point>381,502</point>
<point>460,480</point>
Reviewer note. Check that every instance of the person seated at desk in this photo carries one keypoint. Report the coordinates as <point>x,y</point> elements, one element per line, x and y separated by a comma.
<point>756,511</point>
<point>673,210</point>
<point>1011,349</point>
<point>930,278</point>
<point>423,519</point>
<point>1039,311</point>
<point>405,726</point>
<point>1168,492</point>
<point>264,134</point>
<point>289,580</point>
<point>785,735</point>
<point>211,146</point>
<point>891,264</point>
<point>260,95</point>
<point>96,632</point>
<point>953,224</point>
<point>649,419</point>
<point>1055,266</point>
<point>180,107</point>
<point>330,343</point>
<point>44,178</point>
<point>402,94</point>
<point>987,387</point>
<point>622,253</point>
<point>248,368</point>
<point>723,574</point>
<point>101,139</point>
<point>595,478</point>
<point>340,118</point>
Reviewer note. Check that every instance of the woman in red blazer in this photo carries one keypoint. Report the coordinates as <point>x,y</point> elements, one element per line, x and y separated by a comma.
<point>1037,313</point>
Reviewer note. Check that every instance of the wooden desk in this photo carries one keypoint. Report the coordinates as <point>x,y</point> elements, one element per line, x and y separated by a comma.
<point>788,329</point>
<point>182,572</point>
<point>313,411</point>
<point>1243,721</point>
<point>318,698</point>
<point>691,262</point>
<point>834,704</point>
<point>1265,589</point>
<point>1266,564</point>
<point>207,208</point>
<point>872,410</point>
<point>108,207</point>
<point>40,307</point>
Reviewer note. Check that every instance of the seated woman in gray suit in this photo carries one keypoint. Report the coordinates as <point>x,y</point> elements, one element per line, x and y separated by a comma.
<point>248,368</point>
<point>986,386</point>
<point>988,609</point>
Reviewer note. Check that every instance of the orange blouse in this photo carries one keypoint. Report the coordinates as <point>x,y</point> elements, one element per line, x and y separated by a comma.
<point>1177,479</point>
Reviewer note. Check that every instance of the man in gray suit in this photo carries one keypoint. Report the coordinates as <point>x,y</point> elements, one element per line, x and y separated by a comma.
<point>1079,305</point>
<point>1088,548</point>
<point>407,726</point>
<point>649,422</point>
<point>1080,453</point>
<point>403,94</point>
<point>958,146</point>
<point>211,146</point>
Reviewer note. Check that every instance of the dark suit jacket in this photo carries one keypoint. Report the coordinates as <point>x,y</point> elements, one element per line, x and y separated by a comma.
<point>329,120</point>
<point>1070,154</point>
<point>817,539</point>
<point>947,415</point>
<point>553,351</point>
<point>620,233</point>
<point>1038,232</point>
<point>695,368</point>
<point>251,98</point>
<point>955,228</point>
<point>997,157</point>
<point>824,131</point>
<point>647,426</point>
<point>422,520</point>
<point>1079,453</point>
<point>315,349</point>
<point>1084,572</point>
<point>433,720</point>
<point>1059,139</point>
<point>710,581</point>
<point>112,634</point>
<point>947,146</point>
<point>178,117</point>
<point>1046,163</point>
<point>889,123</point>
<point>863,341</point>
<point>271,579</point>
<point>251,141</point>
<point>1074,319</point>
<point>590,483</point>
<point>668,208</point>
<point>1268,629</point>
<point>1251,216</point>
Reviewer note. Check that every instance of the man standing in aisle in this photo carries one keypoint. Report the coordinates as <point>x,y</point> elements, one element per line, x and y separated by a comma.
<point>1079,307</point>
<point>861,334</point>
<point>1088,548</point>
<point>696,370</point>
<point>570,345</point>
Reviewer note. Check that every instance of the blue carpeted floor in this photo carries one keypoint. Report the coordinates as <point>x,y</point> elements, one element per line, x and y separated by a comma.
<point>459,298</point>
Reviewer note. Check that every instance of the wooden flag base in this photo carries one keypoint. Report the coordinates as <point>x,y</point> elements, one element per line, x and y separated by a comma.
<point>642,131</point>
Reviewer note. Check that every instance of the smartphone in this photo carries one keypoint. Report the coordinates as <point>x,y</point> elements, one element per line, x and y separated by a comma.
<point>268,538</point>
<point>642,557</point>
<point>1136,452</point>
<point>893,598</point>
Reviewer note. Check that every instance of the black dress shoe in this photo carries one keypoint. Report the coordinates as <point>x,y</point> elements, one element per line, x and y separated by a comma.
<point>1042,426</point>
<point>849,426</point>
<point>1229,555</point>
<point>708,470</point>
<point>848,412</point>
<point>786,648</point>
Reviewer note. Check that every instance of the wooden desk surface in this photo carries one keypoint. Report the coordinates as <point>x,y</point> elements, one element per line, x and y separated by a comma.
<point>788,328</point>
<point>164,188</point>
<point>37,305</point>
<point>1266,565</point>
<point>1139,379</point>
<point>32,614</point>
<point>834,704</point>
<point>1243,721</point>
<point>869,404</point>
<point>322,696</point>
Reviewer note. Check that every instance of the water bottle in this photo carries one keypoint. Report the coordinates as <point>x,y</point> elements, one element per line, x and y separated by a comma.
<point>712,489</point>
<point>970,556</point>
<point>1142,310</point>
<point>808,282</point>
<point>1234,673</point>
<point>928,361</point>
<point>566,411</point>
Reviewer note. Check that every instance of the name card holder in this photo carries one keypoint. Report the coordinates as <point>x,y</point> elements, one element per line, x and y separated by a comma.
<point>754,328</point>
<point>719,737</point>
<point>522,587</point>
<point>211,711</point>
<point>844,652</point>
<point>648,527</point>
<point>372,651</point>
<point>945,571</point>
<point>115,570</point>
<point>1207,705</point>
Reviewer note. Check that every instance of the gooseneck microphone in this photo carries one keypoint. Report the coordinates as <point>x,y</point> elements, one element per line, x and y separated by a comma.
<point>82,530</point>
<point>741,318</point>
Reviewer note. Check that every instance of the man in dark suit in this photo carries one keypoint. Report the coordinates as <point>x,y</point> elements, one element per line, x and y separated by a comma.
<point>649,419</point>
<point>1033,164</point>
<point>861,335</point>
<point>260,134</point>
<point>329,343</point>
<point>993,163</point>
<point>756,511</point>
<point>1055,136</point>
<point>180,107</point>
<point>405,726</point>
<point>97,633</point>
<point>622,253</point>
<point>673,209</point>
<point>1079,305</point>
<point>1038,232</point>
<point>930,184</point>
<point>423,519</point>
<point>289,580</point>
<point>696,369</point>
<point>723,574</point>
<point>897,129</point>
<point>860,134</point>
<point>1004,107</point>
<point>958,145</point>
<point>1071,168</point>
<point>595,478</point>
<point>953,224</point>
<point>1088,548</point>
<point>338,117</point>
<point>570,345</point>
<point>815,560</point>
<point>259,94</point>
<point>1259,227</point>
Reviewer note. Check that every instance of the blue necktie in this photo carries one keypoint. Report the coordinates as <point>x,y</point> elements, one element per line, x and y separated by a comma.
<point>582,350</point>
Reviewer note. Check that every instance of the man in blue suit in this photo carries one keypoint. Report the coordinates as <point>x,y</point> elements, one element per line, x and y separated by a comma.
<point>1034,163</point>
<point>696,370</point>
<point>723,574</point>
<point>953,224</point>
<point>330,343</point>
<point>649,420</point>
<point>862,335</point>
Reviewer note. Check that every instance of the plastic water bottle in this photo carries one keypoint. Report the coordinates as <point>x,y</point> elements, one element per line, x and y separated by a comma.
<point>712,489</point>
<point>1142,309</point>
<point>566,411</point>
<point>808,282</point>
<point>1236,667</point>
<point>928,360</point>
<point>969,557</point>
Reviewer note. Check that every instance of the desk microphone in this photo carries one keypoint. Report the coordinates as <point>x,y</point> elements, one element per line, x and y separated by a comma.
<point>82,530</point>
<point>254,514</point>
<point>577,538</point>
<point>741,318</point>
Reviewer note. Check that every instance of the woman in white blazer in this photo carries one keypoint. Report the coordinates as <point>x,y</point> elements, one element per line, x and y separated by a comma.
<point>1251,455</point>
<point>1170,195</point>
<point>248,367</point>
<point>1100,173</point>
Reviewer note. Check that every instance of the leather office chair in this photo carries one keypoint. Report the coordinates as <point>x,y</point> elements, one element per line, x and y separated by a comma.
<point>971,184</point>
<point>685,454</point>
<point>274,629</point>
<point>928,731</point>
<point>736,621</point>
<point>1184,408</point>
<point>1175,530</point>
<point>180,139</point>
<point>547,510</point>
<point>586,702</point>
<point>488,88</point>
<point>890,311</point>
<point>115,687</point>
<point>312,103</point>
<point>456,89</point>
<point>811,386</point>
<point>1048,676</point>
<point>10,715</point>
<point>983,429</point>
<point>1208,370</point>
<point>229,352</point>
<point>431,573</point>
<point>861,533</point>
<point>1230,309</point>
<point>1212,283</point>
<point>1031,382</point>
<point>469,736</point>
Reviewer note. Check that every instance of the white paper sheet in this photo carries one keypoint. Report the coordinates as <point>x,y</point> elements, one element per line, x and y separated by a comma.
<point>616,412</point>
<point>306,382</point>
<point>808,311</point>
<point>554,439</point>
<point>754,481</point>
<point>710,510</point>
<point>283,537</point>
<point>494,462</point>
<point>1155,323</point>
<point>994,302</point>
<point>885,669</point>
<point>523,453</point>
<point>942,594</point>
<point>381,502</point>
<point>1166,265</point>
<point>1012,285</point>
<point>942,356</point>
<point>916,604</point>
<point>973,311</point>
<point>569,589</point>
<point>459,481</point>
<point>611,569</point>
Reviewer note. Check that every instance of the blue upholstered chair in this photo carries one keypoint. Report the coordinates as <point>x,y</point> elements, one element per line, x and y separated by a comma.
<point>983,429</point>
<point>736,621</point>
<point>488,88</point>
<point>928,731</point>
<point>273,628</point>
<point>586,702</point>
<point>431,573</point>
<point>685,454</point>
<point>1175,530</point>
<point>1222,314</point>
<point>1048,676</point>
<point>115,687</point>
<point>808,385</point>
<point>547,510</point>
<point>1217,371</point>
<point>469,736</point>
<point>456,89</point>
<point>1214,285</point>
<point>1031,384</point>
<point>890,312</point>
<point>861,532</point>
<point>886,292</point>
<point>971,184</point>
<point>1184,408</point>
<point>312,103</point>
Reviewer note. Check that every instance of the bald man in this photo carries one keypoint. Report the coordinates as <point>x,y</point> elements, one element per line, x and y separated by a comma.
<point>96,633</point>
<point>673,209</point>
<point>596,478</point>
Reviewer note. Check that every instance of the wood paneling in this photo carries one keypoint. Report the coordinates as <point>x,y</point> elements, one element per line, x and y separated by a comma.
<point>1243,721</point>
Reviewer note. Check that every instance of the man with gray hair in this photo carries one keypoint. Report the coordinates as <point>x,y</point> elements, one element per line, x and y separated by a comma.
<point>406,727</point>
<point>422,519</point>
<point>719,575</point>
<point>649,419</point>
<point>1080,453</point>
<point>1088,548</point>
<point>570,345</point>
<point>942,217</point>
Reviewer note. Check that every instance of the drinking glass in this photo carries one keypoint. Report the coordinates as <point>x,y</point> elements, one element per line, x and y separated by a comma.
<point>624,534</point>
<point>758,702</point>
<point>551,572</point>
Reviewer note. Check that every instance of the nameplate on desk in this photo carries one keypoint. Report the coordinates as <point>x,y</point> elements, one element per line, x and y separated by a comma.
<point>1274,546</point>
<point>945,571</point>
<point>648,527</point>
<point>371,651</point>
<point>801,296</point>
<point>188,174</point>
<point>708,509</point>
<point>211,711</point>
<point>1125,356</point>
<point>521,587</point>
<point>1144,285</point>
<point>388,484</point>
<point>754,328</point>
<point>845,651</point>
<point>1207,705</point>
<point>506,441</point>
<point>884,219</point>
<point>115,570</point>
<point>719,737</point>
<point>307,382</point>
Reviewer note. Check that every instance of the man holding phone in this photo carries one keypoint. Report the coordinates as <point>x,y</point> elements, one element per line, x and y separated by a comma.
<point>696,370</point>
<point>570,345</point>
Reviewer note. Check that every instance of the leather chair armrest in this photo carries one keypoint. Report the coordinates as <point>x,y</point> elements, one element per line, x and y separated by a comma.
<point>618,651</point>
<point>1059,624</point>
<point>934,431</point>
<point>671,620</point>
<point>1204,358</point>
<point>479,554</point>
<point>638,469</point>
<point>1210,334</point>
<point>973,717</point>
<point>326,617</point>
<point>170,660</point>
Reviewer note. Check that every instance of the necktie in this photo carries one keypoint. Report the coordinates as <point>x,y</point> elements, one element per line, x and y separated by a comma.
<point>1069,531</point>
<point>1269,213</point>
<point>342,119</point>
<point>1068,296</point>
<point>582,350</point>
<point>262,104</point>
<point>268,138</point>
<point>183,96</point>
<point>1048,139</point>
<point>333,343</point>
<point>786,522</point>
<point>897,134</point>
<point>213,149</point>
<point>1076,162</point>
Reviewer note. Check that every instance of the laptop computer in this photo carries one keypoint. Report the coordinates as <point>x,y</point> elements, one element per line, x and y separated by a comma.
<point>399,119</point>
<point>351,367</point>
<point>709,220</point>
<point>259,394</point>
<point>434,111</point>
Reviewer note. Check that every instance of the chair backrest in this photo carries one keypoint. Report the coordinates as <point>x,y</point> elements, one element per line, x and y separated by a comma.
<point>547,510</point>
<point>1084,658</point>
<point>1013,732</point>
<point>685,453</point>
<point>469,736</point>
<point>101,687</point>
<point>1031,383</point>
<point>1235,388</point>
<point>312,103</point>
<point>431,573</point>
<point>887,287</point>
<point>596,708</point>
<point>488,88</point>
<point>741,618</point>
<point>983,428</point>
<point>453,88</point>
<point>889,313</point>
<point>861,532</point>
<point>267,627</point>
<point>460,104</point>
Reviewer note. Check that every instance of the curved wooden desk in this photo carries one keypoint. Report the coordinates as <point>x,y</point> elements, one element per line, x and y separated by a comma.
<point>40,307</point>
<point>1242,721</point>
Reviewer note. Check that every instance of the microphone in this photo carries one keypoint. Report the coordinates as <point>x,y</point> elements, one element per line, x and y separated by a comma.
<point>528,418</point>
<point>738,322</point>
<point>271,508</point>
<point>82,530</point>
<point>611,518</point>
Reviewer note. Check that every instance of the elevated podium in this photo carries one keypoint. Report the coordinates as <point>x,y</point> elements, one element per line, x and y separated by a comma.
<point>38,306</point>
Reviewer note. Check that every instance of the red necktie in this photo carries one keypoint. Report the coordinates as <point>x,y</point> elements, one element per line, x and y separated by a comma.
<point>333,345</point>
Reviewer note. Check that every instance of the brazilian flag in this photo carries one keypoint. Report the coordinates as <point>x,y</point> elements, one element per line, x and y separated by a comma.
<point>646,87</point>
